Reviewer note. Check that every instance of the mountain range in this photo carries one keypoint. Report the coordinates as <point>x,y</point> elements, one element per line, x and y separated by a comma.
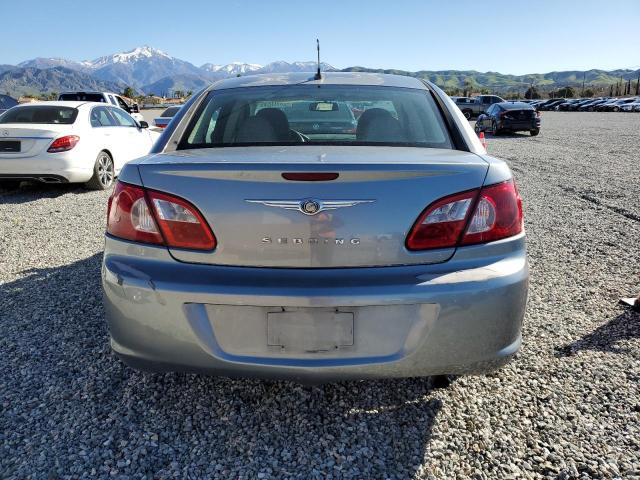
<point>152,71</point>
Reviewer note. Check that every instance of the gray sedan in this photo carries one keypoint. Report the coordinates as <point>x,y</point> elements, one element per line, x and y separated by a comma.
<point>244,247</point>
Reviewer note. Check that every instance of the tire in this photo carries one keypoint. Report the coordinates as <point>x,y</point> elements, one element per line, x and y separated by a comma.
<point>494,129</point>
<point>467,114</point>
<point>103,172</point>
<point>534,132</point>
<point>476,128</point>
<point>10,184</point>
<point>616,109</point>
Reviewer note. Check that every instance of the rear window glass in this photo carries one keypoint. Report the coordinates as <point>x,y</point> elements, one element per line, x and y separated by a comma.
<point>312,115</point>
<point>7,101</point>
<point>82,97</point>
<point>170,112</point>
<point>40,114</point>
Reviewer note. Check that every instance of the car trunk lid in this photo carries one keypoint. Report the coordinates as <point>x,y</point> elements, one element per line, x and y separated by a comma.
<point>365,213</point>
<point>20,141</point>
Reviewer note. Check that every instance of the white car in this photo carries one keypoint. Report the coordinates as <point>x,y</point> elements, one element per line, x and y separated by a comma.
<point>631,107</point>
<point>60,142</point>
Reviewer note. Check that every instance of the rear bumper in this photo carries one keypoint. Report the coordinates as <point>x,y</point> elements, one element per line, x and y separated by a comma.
<point>51,168</point>
<point>462,316</point>
<point>515,125</point>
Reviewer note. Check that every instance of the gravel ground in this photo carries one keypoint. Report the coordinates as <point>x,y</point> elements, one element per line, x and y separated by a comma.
<point>567,407</point>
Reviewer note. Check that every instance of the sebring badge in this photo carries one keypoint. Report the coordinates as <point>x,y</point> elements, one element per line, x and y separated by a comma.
<point>308,206</point>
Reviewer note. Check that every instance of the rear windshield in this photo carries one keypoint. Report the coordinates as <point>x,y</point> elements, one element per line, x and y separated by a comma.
<point>170,112</point>
<point>82,97</point>
<point>7,102</point>
<point>317,115</point>
<point>40,114</point>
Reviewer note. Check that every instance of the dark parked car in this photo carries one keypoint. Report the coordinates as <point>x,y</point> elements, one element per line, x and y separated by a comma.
<point>6,102</point>
<point>509,116</point>
<point>591,106</point>
<point>551,104</point>
<point>163,120</point>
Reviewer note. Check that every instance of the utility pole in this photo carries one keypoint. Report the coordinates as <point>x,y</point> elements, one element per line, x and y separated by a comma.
<point>584,75</point>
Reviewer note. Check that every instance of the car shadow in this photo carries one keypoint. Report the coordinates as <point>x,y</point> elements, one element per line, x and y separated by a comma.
<point>30,191</point>
<point>56,359</point>
<point>606,338</point>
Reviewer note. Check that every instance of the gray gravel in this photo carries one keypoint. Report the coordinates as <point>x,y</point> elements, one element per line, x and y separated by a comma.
<point>567,407</point>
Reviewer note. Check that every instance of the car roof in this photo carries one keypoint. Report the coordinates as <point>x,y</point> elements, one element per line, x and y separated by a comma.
<point>328,78</point>
<point>59,103</point>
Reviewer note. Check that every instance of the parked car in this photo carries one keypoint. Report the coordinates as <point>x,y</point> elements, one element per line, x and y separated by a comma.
<point>605,105</point>
<point>576,105</point>
<point>165,117</point>
<point>551,104</point>
<point>6,102</point>
<point>591,106</point>
<point>631,107</point>
<point>476,105</point>
<point>509,117</point>
<point>239,247</point>
<point>615,106</point>
<point>104,97</point>
<point>59,142</point>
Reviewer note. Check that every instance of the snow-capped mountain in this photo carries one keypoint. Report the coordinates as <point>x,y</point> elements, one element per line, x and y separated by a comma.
<point>231,69</point>
<point>285,67</point>
<point>140,66</point>
<point>131,57</point>
<point>44,63</point>
<point>146,67</point>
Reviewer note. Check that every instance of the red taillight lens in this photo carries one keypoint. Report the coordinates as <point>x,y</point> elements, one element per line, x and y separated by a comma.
<point>498,214</point>
<point>493,213</point>
<point>170,220</point>
<point>181,224</point>
<point>129,217</point>
<point>63,144</point>
<point>442,223</point>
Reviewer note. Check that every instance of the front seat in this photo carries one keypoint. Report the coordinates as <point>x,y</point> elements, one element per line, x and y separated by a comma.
<point>255,130</point>
<point>378,125</point>
<point>278,120</point>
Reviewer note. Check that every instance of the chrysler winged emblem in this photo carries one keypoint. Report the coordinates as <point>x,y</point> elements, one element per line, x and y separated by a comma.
<point>310,206</point>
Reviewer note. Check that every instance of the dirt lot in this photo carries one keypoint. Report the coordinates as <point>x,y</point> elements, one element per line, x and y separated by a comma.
<point>567,407</point>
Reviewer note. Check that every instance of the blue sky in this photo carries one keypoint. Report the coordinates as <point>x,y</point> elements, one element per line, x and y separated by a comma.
<point>505,36</point>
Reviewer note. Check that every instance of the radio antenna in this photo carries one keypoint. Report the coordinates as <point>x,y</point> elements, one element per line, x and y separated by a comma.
<point>318,75</point>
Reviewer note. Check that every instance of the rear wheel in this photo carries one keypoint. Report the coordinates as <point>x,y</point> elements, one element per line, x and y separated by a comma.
<point>477,128</point>
<point>534,132</point>
<point>103,173</point>
<point>9,184</point>
<point>467,114</point>
<point>495,131</point>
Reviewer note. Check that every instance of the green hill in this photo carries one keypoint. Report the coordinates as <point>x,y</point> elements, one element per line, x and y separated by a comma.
<point>454,81</point>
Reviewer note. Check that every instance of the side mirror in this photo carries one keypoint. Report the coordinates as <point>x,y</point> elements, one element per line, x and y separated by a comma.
<point>143,124</point>
<point>134,108</point>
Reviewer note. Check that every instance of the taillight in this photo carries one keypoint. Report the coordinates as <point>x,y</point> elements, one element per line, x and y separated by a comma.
<point>442,223</point>
<point>498,214</point>
<point>148,216</point>
<point>63,144</point>
<point>467,218</point>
